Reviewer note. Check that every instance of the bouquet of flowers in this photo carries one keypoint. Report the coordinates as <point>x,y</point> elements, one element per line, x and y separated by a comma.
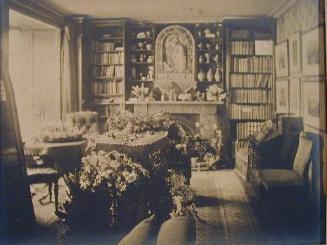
<point>126,125</point>
<point>96,189</point>
<point>58,131</point>
<point>140,92</point>
<point>112,172</point>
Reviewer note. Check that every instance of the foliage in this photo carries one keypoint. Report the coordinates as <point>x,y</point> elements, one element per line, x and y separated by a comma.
<point>129,123</point>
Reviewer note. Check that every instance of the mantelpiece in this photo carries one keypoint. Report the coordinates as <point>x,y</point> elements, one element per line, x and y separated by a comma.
<point>188,113</point>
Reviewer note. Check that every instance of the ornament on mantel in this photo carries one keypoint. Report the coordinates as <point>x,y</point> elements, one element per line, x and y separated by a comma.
<point>201,75</point>
<point>210,75</point>
<point>218,74</point>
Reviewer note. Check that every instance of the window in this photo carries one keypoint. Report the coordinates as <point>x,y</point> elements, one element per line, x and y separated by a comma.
<point>34,67</point>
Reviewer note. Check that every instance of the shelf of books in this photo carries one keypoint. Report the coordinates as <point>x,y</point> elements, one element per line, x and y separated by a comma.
<point>107,67</point>
<point>250,81</point>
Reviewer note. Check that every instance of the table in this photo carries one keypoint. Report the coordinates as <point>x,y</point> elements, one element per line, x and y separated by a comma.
<point>65,156</point>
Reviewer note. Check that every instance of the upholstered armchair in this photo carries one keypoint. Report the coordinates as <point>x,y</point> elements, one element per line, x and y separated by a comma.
<point>294,179</point>
<point>86,121</point>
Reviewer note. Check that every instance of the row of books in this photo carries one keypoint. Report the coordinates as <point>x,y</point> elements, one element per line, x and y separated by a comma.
<point>108,71</point>
<point>106,87</point>
<point>242,47</point>
<point>250,80</point>
<point>240,34</point>
<point>105,47</point>
<point>250,112</point>
<point>108,58</point>
<point>252,64</point>
<point>251,96</point>
<point>244,129</point>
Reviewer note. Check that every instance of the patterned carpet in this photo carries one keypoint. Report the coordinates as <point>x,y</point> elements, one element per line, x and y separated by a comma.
<point>228,209</point>
<point>230,213</point>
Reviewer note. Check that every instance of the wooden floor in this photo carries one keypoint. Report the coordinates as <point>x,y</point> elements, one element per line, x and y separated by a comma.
<point>228,209</point>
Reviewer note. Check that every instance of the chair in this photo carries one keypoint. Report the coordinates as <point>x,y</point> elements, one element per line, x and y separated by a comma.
<point>286,179</point>
<point>43,173</point>
<point>86,121</point>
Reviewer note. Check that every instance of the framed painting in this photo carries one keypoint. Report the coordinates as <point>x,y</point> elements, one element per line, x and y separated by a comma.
<point>281,59</point>
<point>295,52</point>
<point>314,104</point>
<point>313,62</point>
<point>282,95</point>
<point>295,96</point>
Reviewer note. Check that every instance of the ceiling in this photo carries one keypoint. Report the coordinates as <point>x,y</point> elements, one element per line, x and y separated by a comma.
<point>166,10</point>
<point>22,21</point>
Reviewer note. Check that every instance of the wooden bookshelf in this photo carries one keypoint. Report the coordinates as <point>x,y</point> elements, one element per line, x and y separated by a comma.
<point>107,46</point>
<point>249,77</point>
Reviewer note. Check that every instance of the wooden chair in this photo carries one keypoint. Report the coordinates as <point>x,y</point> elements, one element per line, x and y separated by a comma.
<point>43,173</point>
<point>289,179</point>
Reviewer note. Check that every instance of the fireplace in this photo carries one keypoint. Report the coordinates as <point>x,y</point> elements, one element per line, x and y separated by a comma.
<point>188,113</point>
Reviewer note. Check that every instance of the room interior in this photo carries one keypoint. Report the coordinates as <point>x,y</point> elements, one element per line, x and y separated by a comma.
<point>157,122</point>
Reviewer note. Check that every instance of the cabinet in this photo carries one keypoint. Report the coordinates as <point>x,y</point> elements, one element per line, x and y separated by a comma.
<point>209,55</point>
<point>141,42</point>
<point>249,76</point>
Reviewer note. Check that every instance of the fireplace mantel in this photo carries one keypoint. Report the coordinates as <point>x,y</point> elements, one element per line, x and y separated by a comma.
<point>207,113</point>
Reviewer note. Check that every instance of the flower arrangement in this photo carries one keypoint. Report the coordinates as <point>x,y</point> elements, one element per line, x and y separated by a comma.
<point>214,92</point>
<point>58,131</point>
<point>140,92</point>
<point>95,190</point>
<point>182,195</point>
<point>112,172</point>
<point>128,126</point>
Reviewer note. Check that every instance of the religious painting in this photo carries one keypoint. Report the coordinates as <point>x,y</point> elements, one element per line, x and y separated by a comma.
<point>314,104</point>
<point>295,53</point>
<point>282,96</point>
<point>281,60</point>
<point>313,52</point>
<point>175,65</point>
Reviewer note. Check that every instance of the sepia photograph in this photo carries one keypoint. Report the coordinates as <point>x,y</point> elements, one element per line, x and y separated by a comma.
<point>167,122</point>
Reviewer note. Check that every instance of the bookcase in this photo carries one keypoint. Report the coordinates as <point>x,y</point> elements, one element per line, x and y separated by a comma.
<point>209,54</point>
<point>249,77</point>
<point>106,74</point>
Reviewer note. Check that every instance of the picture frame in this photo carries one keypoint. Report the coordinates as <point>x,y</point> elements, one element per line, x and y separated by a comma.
<point>313,52</point>
<point>295,96</point>
<point>281,60</point>
<point>282,96</point>
<point>314,104</point>
<point>295,52</point>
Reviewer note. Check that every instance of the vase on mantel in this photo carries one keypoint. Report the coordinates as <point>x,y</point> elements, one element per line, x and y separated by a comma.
<point>218,74</point>
<point>210,75</point>
<point>201,75</point>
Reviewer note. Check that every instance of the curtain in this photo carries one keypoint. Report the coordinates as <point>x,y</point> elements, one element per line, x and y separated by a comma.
<point>70,70</point>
